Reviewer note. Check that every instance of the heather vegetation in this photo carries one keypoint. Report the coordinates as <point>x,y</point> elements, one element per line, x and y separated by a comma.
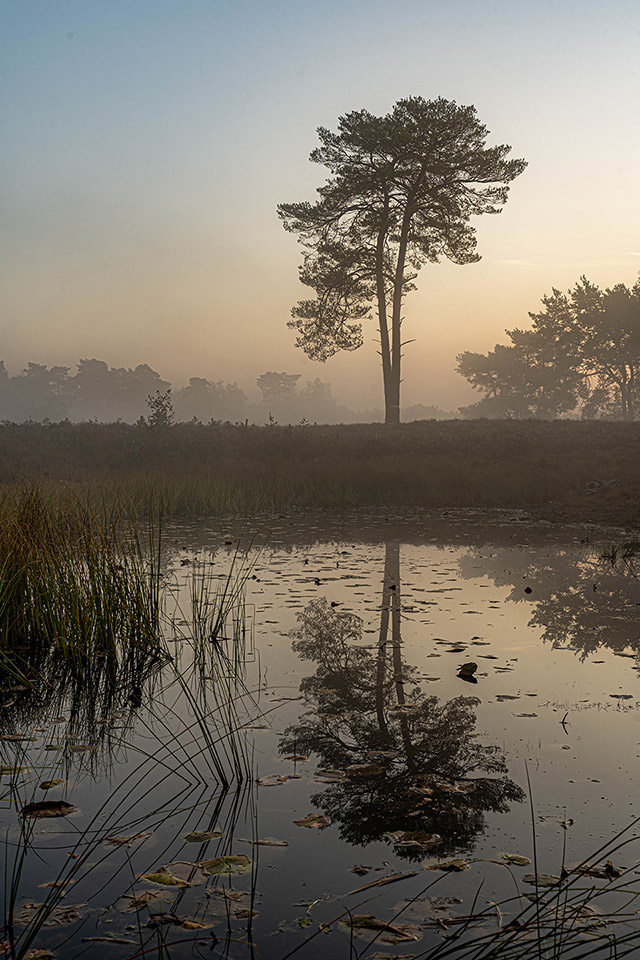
<point>217,469</point>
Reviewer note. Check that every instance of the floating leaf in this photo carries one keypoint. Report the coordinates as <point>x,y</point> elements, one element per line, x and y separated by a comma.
<point>607,872</point>
<point>361,870</point>
<point>164,878</point>
<point>330,776</point>
<point>297,758</point>
<point>190,924</point>
<point>515,858</point>
<point>226,866</point>
<point>313,821</point>
<point>202,836</point>
<point>47,808</point>
<point>125,841</point>
<point>541,879</point>
<point>363,924</point>
<point>305,922</point>
<point>49,784</point>
<point>59,916</point>
<point>190,874</point>
<point>412,840</point>
<point>382,754</point>
<point>9,771</point>
<point>467,669</point>
<point>456,865</point>
<point>83,748</point>
<point>364,770</point>
<point>15,737</point>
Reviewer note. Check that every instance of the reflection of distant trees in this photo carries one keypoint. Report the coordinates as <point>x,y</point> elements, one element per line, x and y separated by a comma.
<point>583,601</point>
<point>366,707</point>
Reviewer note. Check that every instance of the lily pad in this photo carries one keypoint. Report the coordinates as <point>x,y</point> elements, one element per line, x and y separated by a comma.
<point>541,879</point>
<point>455,865</point>
<point>59,916</point>
<point>47,808</point>
<point>515,858</point>
<point>365,925</point>
<point>226,866</point>
<point>201,836</point>
<point>412,840</point>
<point>125,841</point>
<point>164,878</point>
<point>313,821</point>
<point>364,770</point>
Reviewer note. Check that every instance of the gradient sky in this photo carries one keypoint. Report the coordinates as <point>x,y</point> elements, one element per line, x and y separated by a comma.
<point>145,145</point>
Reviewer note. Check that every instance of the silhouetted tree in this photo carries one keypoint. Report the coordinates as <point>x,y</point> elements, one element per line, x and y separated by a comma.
<point>401,192</point>
<point>583,352</point>
<point>277,387</point>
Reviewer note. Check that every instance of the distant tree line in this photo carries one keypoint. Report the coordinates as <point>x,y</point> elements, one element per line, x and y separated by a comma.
<point>107,394</point>
<point>581,357</point>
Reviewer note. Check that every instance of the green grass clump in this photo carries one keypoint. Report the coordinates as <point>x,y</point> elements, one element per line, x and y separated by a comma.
<point>74,579</point>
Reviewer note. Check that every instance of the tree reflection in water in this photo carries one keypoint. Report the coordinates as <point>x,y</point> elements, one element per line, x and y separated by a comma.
<point>420,759</point>
<point>581,601</point>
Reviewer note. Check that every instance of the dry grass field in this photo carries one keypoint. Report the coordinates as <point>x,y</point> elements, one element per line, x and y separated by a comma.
<point>547,467</point>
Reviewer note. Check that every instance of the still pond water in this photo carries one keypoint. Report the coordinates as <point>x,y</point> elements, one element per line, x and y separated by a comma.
<point>356,701</point>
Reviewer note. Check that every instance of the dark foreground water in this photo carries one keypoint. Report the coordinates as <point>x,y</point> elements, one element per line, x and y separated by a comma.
<point>412,692</point>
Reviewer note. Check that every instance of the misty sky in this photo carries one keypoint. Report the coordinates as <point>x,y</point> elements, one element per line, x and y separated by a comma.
<point>146,143</point>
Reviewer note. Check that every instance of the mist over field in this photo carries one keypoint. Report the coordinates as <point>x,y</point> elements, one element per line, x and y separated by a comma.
<point>319,479</point>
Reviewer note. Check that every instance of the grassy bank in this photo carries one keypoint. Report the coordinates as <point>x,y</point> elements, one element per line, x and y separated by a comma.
<point>219,469</point>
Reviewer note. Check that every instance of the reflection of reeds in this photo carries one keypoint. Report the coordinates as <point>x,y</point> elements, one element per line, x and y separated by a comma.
<point>187,752</point>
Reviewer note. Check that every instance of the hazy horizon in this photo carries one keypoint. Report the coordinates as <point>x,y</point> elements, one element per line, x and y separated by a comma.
<point>145,152</point>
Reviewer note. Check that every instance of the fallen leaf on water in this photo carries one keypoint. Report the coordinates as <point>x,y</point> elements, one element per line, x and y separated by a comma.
<point>59,916</point>
<point>125,841</point>
<point>141,898</point>
<point>515,858</point>
<point>192,874</point>
<point>8,771</point>
<point>297,758</point>
<point>541,879</point>
<point>83,748</point>
<point>330,776</point>
<point>456,865</point>
<point>226,866</point>
<point>607,872</point>
<point>201,836</point>
<point>273,780</point>
<point>49,784</point>
<point>364,924</point>
<point>459,786</point>
<point>361,870</point>
<point>164,878</point>
<point>313,820</point>
<point>47,808</point>
<point>364,770</point>
<point>383,881</point>
<point>14,737</point>
<point>411,840</point>
<point>42,954</point>
<point>266,842</point>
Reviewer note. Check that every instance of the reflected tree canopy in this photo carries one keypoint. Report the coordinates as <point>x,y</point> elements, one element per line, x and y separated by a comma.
<point>580,602</point>
<point>400,761</point>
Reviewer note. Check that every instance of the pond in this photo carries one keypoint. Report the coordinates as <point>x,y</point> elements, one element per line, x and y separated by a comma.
<point>403,723</point>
